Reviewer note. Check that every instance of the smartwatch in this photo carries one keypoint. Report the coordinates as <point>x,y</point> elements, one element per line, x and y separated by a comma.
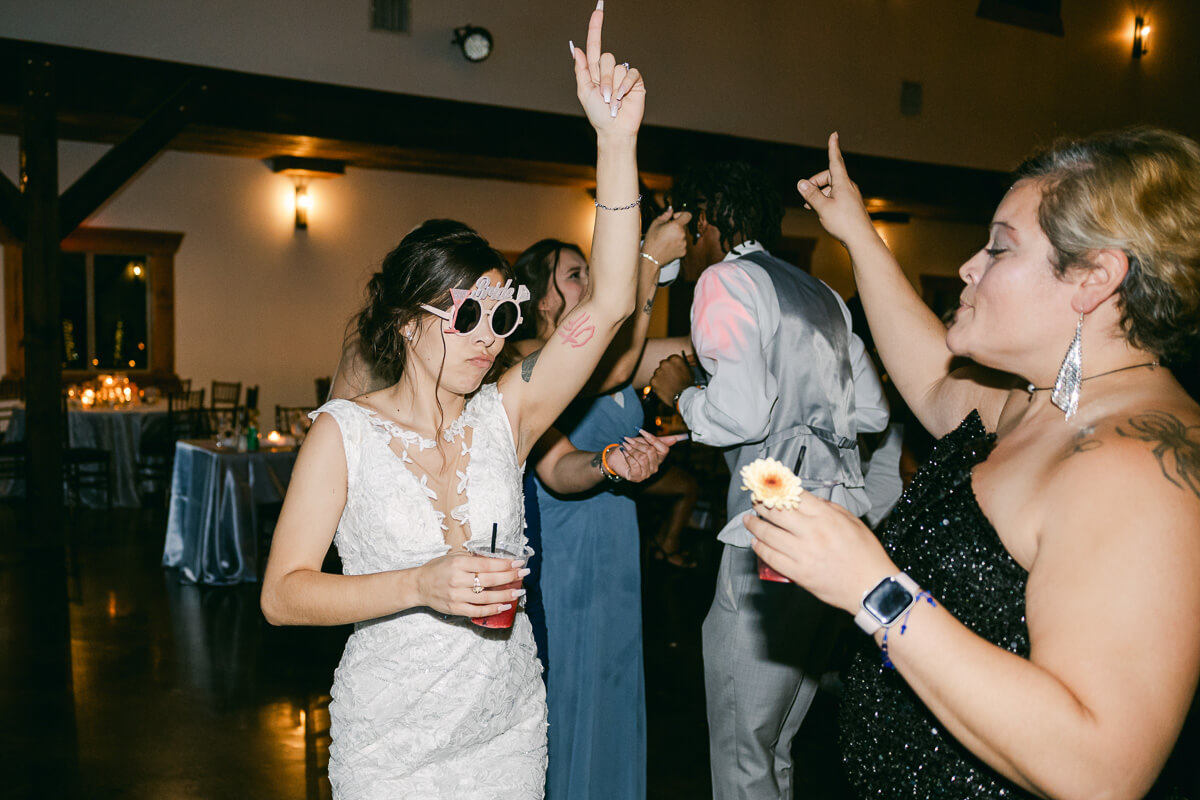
<point>887,602</point>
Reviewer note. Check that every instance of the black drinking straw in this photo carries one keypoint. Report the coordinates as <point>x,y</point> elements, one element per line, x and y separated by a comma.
<point>494,527</point>
<point>800,458</point>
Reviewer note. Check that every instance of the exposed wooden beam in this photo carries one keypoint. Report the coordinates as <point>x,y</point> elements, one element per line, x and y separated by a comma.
<point>123,161</point>
<point>260,116</point>
<point>41,306</point>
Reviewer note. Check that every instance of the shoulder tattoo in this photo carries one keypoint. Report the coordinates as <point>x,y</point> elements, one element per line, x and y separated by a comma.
<point>528,364</point>
<point>1176,446</point>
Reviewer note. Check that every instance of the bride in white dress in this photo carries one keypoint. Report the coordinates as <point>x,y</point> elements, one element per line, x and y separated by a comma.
<point>426,704</point>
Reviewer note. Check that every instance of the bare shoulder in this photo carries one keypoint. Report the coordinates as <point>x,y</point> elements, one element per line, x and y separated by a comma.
<point>1136,464</point>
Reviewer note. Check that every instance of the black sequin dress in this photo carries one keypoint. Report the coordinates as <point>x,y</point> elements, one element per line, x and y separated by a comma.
<point>893,746</point>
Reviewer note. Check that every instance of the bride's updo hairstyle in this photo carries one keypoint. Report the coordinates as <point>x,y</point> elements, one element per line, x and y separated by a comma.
<point>1138,191</point>
<point>435,257</point>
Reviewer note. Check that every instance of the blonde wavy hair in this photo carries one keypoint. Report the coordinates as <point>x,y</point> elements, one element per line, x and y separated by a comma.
<point>1136,190</point>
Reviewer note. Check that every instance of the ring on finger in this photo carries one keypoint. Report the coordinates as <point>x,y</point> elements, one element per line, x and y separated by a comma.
<point>476,586</point>
<point>625,65</point>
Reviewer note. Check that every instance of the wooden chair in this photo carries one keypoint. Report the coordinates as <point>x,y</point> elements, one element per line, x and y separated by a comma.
<point>12,389</point>
<point>12,452</point>
<point>224,407</point>
<point>286,416</point>
<point>186,419</point>
<point>251,408</point>
<point>225,395</point>
<point>84,467</point>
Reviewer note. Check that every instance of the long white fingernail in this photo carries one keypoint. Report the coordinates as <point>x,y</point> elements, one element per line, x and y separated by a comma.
<point>518,593</point>
<point>599,5</point>
<point>608,98</point>
<point>616,107</point>
<point>572,43</point>
<point>504,606</point>
<point>521,573</point>
<point>520,562</point>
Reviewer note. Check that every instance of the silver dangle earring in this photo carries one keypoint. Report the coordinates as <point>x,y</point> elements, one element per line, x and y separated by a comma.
<point>1070,374</point>
<point>408,335</point>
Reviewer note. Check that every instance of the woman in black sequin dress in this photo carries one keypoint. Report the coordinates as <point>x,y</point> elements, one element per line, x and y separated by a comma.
<point>1052,649</point>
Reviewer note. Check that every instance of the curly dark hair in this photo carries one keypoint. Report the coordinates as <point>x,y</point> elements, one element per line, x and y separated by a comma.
<point>735,197</point>
<point>1138,191</point>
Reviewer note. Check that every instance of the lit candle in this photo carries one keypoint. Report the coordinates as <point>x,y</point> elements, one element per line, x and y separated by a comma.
<point>274,437</point>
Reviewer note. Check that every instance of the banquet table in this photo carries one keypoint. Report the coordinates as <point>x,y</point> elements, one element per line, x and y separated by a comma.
<point>216,496</point>
<point>118,430</point>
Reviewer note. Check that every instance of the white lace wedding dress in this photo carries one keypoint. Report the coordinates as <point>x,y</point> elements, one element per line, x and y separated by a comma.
<point>426,706</point>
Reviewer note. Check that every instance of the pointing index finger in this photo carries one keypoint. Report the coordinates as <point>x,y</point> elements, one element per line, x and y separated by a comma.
<point>594,49</point>
<point>837,167</point>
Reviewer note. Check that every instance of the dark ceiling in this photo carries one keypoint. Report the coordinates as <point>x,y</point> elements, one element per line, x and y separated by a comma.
<point>102,97</point>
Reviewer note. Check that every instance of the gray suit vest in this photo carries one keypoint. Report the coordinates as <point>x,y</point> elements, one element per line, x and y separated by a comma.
<point>810,357</point>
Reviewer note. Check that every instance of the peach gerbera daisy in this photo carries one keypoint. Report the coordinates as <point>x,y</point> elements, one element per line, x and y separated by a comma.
<point>772,484</point>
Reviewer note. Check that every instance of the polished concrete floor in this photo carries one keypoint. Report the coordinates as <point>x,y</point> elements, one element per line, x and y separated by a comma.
<point>119,681</point>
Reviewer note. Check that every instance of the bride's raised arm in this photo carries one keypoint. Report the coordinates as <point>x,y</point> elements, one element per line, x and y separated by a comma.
<point>538,389</point>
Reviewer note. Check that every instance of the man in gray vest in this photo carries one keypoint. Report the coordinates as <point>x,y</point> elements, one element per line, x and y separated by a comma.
<point>785,376</point>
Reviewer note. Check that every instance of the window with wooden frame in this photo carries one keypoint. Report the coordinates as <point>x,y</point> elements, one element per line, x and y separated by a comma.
<point>117,291</point>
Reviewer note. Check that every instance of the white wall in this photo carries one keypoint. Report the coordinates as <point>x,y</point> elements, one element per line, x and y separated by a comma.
<point>258,302</point>
<point>783,70</point>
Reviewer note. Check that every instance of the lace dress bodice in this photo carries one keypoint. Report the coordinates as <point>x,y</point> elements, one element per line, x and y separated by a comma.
<point>426,705</point>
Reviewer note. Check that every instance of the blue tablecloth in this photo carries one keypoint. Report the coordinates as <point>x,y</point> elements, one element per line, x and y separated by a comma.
<point>118,431</point>
<point>212,529</point>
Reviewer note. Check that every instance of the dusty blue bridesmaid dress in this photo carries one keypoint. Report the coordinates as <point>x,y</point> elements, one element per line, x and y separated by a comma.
<point>591,588</point>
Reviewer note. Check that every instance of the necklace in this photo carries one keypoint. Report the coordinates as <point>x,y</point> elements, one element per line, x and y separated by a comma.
<point>1031,388</point>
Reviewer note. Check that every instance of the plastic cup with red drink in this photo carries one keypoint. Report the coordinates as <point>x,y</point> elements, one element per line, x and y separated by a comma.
<point>503,619</point>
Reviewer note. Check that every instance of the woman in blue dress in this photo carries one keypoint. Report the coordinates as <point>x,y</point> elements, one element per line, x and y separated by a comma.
<point>591,573</point>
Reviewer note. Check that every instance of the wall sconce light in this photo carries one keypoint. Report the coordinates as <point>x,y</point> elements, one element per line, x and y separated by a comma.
<point>303,204</point>
<point>1140,31</point>
<point>301,170</point>
<point>475,43</point>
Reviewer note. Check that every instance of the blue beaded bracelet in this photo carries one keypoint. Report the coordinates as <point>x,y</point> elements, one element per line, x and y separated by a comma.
<point>883,651</point>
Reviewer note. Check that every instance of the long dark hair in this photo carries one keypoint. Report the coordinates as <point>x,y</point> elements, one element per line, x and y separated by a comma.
<point>537,268</point>
<point>435,257</point>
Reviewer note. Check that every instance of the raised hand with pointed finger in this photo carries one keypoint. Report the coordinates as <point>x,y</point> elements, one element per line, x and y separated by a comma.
<point>612,95</point>
<point>837,200</point>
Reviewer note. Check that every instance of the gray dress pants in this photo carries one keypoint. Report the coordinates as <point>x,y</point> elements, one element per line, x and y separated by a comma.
<point>765,646</point>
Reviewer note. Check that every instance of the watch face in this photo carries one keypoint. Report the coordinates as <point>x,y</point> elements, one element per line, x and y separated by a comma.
<point>887,601</point>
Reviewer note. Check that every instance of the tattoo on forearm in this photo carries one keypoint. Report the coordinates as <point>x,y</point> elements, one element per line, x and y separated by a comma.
<point>528,364</point>
<point>598,460</point>
<point>577,332</point>
<point>1176,446</point>
<point>646,309</point>
<point>1083,441</point>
